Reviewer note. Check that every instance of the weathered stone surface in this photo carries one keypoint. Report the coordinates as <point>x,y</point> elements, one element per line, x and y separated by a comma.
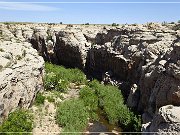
<point>21,75</point>
<point>166,121</point>
<point>103,58</point>
<point>133,97</point>
<point>146,55</point>
<point>71,48</point>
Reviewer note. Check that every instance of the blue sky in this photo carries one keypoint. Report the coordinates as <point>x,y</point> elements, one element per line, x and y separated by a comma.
<point>101,13</point>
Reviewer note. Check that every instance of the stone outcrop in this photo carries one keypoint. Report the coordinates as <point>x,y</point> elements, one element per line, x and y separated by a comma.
<point>71,48</point>
<point>143,60</point>
<point>165,121</point>
<point>38,41</point>
<point>21,76</point>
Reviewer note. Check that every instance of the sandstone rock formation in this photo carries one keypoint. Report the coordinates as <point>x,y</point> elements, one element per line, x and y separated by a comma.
<point>21,75</point>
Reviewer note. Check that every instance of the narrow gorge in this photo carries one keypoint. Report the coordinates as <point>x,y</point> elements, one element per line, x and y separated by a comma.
<point>142,60</point>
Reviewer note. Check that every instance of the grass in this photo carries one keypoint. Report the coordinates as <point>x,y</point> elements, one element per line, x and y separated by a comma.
<point>94,96</point>
<point>90,100</point>
<point>50,99</point>
<point>111,101</point>
<point>72,115</point>
<point>18,121</point>
<point>39,99</point>
<point>58,78</point>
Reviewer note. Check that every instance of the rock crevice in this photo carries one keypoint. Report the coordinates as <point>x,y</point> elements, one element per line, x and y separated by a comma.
<point>143,60</point>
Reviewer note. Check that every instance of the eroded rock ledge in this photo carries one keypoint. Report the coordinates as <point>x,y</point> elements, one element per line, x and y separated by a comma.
<point>21,76</point>
<point>146,58</point>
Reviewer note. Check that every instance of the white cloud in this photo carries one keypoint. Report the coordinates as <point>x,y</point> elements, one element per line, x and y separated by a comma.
<point>26,7</point>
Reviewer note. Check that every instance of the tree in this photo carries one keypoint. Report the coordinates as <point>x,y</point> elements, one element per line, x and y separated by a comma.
<point>114,24</point>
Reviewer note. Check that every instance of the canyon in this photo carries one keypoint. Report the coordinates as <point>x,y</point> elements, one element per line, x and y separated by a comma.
<point>143,60</point>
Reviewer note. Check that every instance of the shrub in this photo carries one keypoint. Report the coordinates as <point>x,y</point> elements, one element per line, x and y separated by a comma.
<point>18,121</point>
<point>55,81</point>
<point>58,77</point>
<point>90,100</point>
<point>114,24</point>
<point>49,37</point>
<point>86,23</point>
<point>1,50</point>
<point>76,76</point>
<point>50,99</point>
<point>72,115</point>
<point>39,99</point>
<point>112,103</point>
<point>110,100</point>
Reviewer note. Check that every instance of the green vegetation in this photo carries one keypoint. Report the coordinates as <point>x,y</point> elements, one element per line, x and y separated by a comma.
<point>112,103</point>
<point>72,115</point>
<point>90,100</point>
<point>50,99</point>
<point>86,23</point>
<point>58,78</point>
<point>1,50</point>
<point>18,121</point>
<point>39,99</point>
<point>94,96</point>
<point>7,23</point>
<point>1,33</point>
<point>114,24</point>
<point>18,57</point>
<point>49,37</point>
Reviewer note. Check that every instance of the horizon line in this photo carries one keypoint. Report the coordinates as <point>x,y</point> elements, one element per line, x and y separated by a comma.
<point>98,2</point>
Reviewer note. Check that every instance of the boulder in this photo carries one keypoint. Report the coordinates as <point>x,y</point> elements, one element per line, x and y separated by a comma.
<point>165,121</point>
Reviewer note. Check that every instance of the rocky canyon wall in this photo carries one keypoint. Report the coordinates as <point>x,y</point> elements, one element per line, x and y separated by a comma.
<point>21,74</point>
<point>144,58</point>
